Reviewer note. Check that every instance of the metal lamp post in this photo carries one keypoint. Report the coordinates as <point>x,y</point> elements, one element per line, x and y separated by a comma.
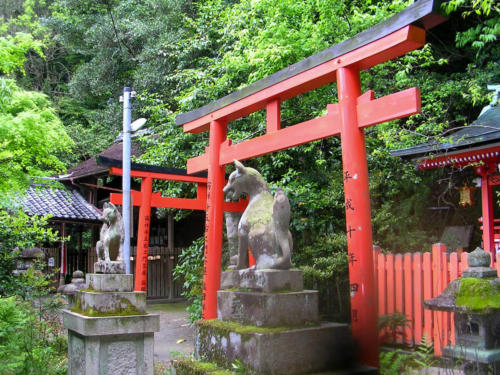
<point>128,129</point>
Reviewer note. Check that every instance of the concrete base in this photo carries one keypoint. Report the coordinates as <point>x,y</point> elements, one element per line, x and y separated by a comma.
<point>110,282</point>
<point>110,345</point>
<point>263,280</point>
<point>268,309</point>
<point>294,351</point>
<point>112,301</point>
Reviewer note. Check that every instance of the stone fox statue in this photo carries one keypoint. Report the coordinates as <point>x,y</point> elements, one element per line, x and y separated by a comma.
<point>112,234</point>
<point>264,223</point>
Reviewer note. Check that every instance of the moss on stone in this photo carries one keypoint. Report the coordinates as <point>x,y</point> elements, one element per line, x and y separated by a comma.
<point>478,295</point>
<point>184,366</point>
<point>126,311</point>
<point>261,211</point>
<point>228,326</point>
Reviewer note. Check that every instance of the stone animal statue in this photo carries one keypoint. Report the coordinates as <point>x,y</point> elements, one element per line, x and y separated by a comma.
<point>112,234</point>
<point>264,224</point>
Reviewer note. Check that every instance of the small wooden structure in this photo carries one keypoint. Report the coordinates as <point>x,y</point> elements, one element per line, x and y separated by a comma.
<point>67,208</point>
<point>477,146</point>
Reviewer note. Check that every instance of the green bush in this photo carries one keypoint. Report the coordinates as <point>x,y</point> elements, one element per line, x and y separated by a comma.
<point>18,231</point>
<point>190,270</point>
<point>29,342</point>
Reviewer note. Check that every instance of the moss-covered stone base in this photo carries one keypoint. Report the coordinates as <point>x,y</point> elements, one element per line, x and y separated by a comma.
<point>278,350</point>
<point>479,295</point>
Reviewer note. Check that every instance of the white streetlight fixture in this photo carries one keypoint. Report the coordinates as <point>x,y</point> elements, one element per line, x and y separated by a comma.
<point>128,128</point>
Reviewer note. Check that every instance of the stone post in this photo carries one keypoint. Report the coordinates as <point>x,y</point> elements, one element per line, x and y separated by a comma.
<point>109,330</point>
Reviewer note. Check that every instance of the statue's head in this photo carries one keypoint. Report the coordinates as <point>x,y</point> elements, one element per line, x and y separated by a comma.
<point>109,213</point>
<point>243,180</point>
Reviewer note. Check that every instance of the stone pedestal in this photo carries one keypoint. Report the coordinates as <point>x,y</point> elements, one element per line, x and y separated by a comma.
<point>109,331</point>
<point>269,323</point>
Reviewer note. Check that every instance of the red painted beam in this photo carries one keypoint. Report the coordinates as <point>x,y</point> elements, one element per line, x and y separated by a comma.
<point>273,116</point>
<point>159,176</point>
<point>389,47</point>
<point>370,112</point>
<point>391,107</point>
<point>180,203</point>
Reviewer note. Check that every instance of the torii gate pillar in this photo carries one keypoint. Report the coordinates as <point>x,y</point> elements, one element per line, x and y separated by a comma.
<point>214,218</point>
<point>358,216</point>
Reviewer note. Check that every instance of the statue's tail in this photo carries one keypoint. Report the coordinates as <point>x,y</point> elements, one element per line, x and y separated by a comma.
<point>281,217</point>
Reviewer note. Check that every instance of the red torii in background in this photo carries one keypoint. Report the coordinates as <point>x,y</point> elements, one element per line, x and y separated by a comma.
<point>146,199</point>
<point>355,111</point>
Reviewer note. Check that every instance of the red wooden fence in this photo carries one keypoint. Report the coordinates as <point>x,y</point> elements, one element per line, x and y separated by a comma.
<point>405,280</point>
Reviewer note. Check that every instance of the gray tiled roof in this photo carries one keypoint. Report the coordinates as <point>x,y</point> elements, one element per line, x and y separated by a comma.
<point>484,131</point>
<point>60,203</point>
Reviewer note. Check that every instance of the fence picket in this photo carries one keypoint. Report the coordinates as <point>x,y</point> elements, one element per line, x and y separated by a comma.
<point>398,264</point>
<point>408,297</point>
<point>427,275</point>
<point>418,297</point>
<point>437,250</point>
<point>445,280</point>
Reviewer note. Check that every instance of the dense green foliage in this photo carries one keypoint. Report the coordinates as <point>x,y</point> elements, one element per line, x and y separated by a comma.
<point>32,339</point>
<point>19,231</point>
<point>29,344</point>
<point>190,270</point>
<point>32,138</point>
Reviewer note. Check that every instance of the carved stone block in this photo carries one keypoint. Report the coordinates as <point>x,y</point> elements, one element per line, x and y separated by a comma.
<point>267,281</point>
<point>110,282</point>
<point>268,309</point>
<point>109,267</point>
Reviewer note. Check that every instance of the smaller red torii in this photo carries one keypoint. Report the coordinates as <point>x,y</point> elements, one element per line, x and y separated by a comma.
<point>146,199</point>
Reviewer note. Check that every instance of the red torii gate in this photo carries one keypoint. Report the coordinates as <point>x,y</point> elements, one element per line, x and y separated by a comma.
<point>348,118</point>
<point>146,199</point>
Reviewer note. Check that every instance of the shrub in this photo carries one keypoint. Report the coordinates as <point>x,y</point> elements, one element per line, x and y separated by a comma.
<point>190,270</point>
<point>29,342</point>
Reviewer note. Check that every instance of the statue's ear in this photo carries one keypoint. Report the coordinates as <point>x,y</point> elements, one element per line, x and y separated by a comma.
<point>239,167</point>
<point>105,205</point>
<point>112,206</point>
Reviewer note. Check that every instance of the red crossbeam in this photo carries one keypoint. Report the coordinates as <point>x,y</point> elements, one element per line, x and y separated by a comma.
<point>180,203</point>
<point>370,112</point>
<point>389,47</point>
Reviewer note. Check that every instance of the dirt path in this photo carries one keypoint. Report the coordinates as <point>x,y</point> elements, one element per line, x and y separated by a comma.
<point>174,326</point>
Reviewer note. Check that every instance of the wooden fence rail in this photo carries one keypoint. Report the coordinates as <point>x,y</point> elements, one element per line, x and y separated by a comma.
<point>404,281</point>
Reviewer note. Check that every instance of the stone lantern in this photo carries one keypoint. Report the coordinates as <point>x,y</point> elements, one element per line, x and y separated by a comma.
<point>475,300</point>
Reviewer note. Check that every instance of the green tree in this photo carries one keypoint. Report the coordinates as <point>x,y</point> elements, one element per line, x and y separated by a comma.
<point>32,138</point>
